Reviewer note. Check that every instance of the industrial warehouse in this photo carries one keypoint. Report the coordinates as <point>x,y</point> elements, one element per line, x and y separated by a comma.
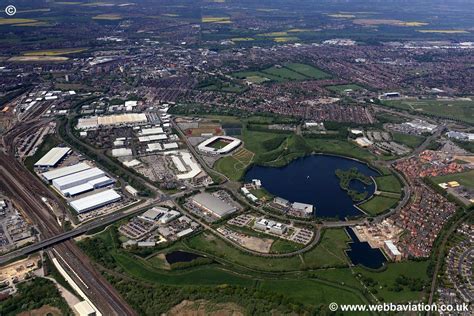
<point>53,157</point>
<point>212,206</point>
<point>95,201</point>
<point>79,182</point>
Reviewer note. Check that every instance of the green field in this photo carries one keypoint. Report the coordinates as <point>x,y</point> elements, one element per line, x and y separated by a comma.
<point>388,183</point>
<point>329,253</point>
<point>284,73</point>
<point>342,88</point>
<point>464,178</point>
<point>452,109</point>
<point>387,280</point>
<point>308,71</point>
<point>288,72</point>
<point>242,276</point>
<point>378,204</point>
<point>284,246</point>
<point>411,141</point>
<point>311,292</point>
<point>276,149</point>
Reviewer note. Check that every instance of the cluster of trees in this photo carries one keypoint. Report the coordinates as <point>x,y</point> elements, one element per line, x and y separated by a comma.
<point>403,282</point>
<point>345,178</point>
<point>99,249</point>
<point>33,295</point>
<point>154,300</point>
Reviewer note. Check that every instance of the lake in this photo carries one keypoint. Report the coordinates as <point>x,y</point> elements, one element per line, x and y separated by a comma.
<point>362,253</point>
<point>180,256</point>
<point>312,180</point>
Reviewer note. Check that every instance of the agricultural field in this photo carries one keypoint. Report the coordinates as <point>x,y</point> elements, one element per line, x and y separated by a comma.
<point>378,205</point>
<point>38,59</point>
<point>462,110</point>
<point>54,52</point>
<point>464,178</point>
<point>108,17</point>
<point>13,21</point>
<point>215,19</point>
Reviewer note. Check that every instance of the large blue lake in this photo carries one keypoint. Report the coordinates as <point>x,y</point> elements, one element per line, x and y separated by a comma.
<point>312,180</point>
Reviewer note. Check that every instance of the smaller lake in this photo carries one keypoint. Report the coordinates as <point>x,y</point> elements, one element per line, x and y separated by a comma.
<point>181,256</point>
<point>362,253</point>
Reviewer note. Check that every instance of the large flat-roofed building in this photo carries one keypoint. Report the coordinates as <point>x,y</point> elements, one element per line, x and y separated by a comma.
<point>121,152</point>
<point>84,309</point>
<point>219,145</point>
<point>151,131</point>
<point>109,120</point>
<point>304,208</point>
<point>65,171</point>
<point>53,157</point>
<point>267,225</point>
<point>95,201</point>
<point>392,251</point>
<point>212,204</point>
<point>79,178</point>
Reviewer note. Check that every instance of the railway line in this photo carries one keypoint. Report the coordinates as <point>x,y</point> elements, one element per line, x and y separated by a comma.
<point>27,192</point>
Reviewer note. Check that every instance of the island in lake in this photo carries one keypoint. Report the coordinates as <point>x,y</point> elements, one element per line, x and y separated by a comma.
<point>348,178</point>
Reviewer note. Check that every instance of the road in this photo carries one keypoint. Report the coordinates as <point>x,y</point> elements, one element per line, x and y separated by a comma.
<point>82,229</point>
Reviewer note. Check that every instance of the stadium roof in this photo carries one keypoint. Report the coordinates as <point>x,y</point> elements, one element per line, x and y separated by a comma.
<point>53,157</point>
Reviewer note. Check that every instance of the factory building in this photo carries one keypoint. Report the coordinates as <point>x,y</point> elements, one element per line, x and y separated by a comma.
<point>209,203</point>
<point>53,157</point>
<point>121,152</point>
<point>95,201</point>
<point>79,178</point>
<point>64,171</point>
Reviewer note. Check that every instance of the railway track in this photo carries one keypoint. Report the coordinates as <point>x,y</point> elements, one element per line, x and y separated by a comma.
<point>27,191</point>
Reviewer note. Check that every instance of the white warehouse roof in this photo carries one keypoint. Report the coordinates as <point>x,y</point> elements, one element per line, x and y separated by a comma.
<point>64,171</point>
<point>77,178</point>
<point>94,201</point>
<point>121,152</point>
<point>53,157</point>
<point>151,131</point>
